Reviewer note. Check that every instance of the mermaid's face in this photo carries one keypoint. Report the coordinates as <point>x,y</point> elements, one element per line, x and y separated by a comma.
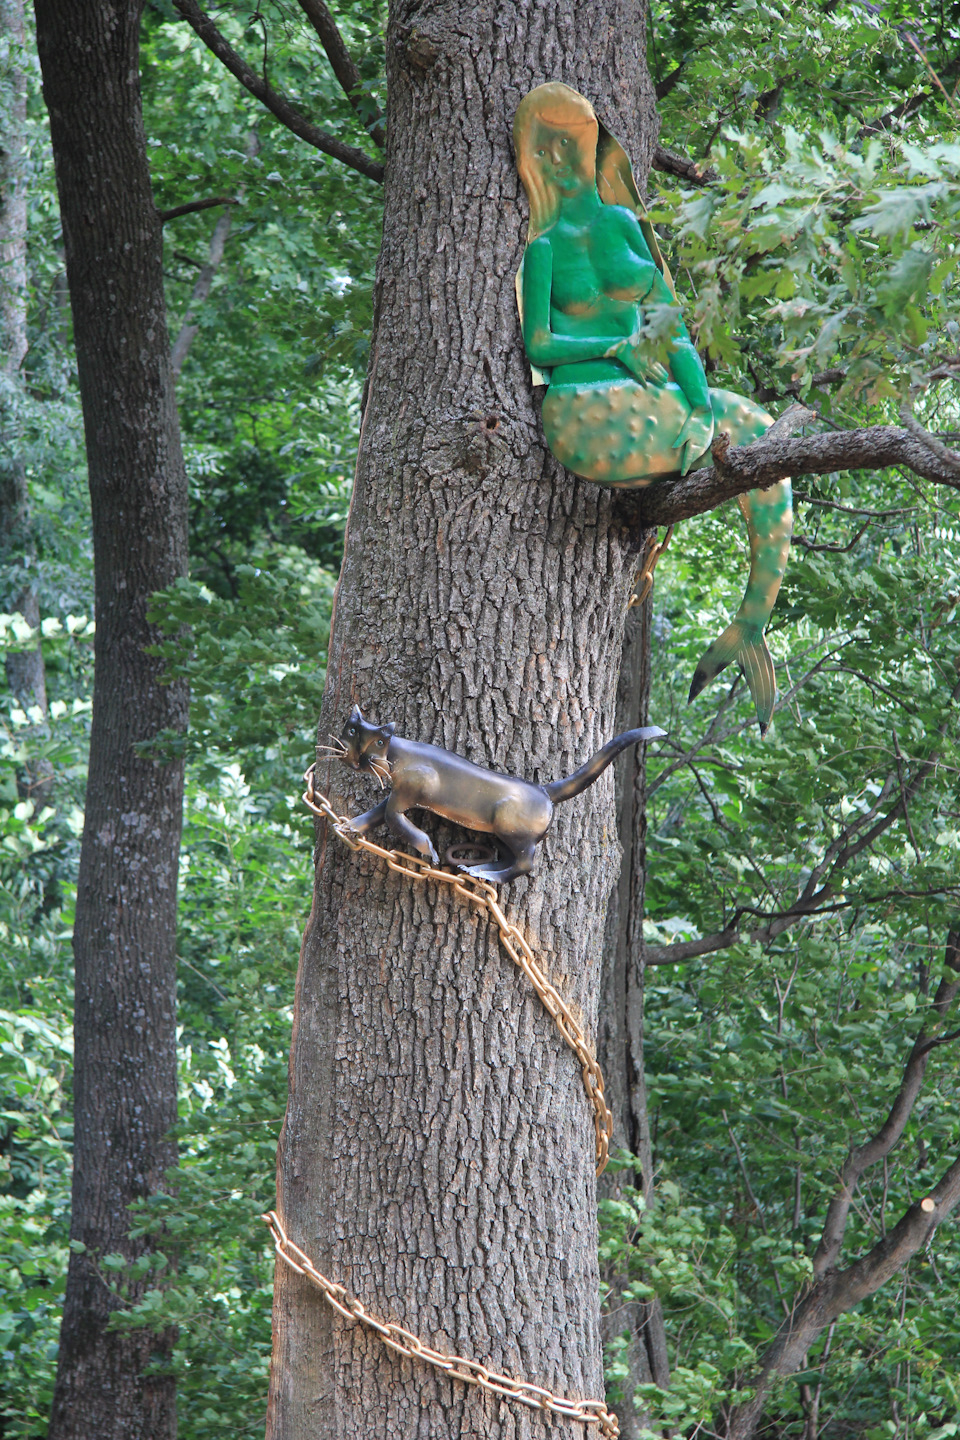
<point>565,156</point>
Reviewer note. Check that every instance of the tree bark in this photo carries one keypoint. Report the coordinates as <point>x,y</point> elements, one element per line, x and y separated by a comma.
<point>24,670</point>
<point>437,1156</point>
<point>124,942</point>
<point>621,1011</point>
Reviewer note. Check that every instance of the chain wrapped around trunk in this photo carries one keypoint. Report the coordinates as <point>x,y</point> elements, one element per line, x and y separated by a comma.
<point>483,894</point>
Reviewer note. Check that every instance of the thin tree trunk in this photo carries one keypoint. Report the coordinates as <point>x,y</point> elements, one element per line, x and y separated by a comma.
<point>189,330</point>
<point>124,943</point>
<point>437,1156</point>
<point>25,671</point>
<point>621,1012</point>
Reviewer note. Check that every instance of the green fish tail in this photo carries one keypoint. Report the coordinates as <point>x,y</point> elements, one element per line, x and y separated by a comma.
<point>744,643</point>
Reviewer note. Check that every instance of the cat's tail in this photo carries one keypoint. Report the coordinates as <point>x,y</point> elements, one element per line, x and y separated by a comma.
<point>743,642</point>
<point>580,779</point>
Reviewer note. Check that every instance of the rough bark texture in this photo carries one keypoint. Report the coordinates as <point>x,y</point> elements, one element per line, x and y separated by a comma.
<point>18,592</point>
<point>124,943</point>
<point>621,1011</point>
<point>437,1155</point>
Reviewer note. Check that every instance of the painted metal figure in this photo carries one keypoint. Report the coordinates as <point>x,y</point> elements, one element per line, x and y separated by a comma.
<point>517,813</point>
<point>613,413</point>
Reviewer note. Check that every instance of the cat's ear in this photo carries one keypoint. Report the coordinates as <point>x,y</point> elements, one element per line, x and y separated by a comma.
<point>356,715</point>
<point>388,731</point>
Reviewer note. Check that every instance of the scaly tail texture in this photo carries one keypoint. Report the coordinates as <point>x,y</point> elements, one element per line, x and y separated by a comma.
<point>581,779</point>
<point>769,517</point>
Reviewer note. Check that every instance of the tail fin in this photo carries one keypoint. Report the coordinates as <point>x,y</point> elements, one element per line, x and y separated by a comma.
<point>581,779</point>
<point>745,643</point>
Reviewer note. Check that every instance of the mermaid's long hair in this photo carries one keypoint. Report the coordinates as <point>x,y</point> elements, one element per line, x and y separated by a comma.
<point>557,105</point>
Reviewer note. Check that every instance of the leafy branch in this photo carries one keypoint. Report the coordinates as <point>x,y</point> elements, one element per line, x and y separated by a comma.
<point>822,884</point>
<point>274,101</point>
<point>342,64</point>
<point>834,1291</point>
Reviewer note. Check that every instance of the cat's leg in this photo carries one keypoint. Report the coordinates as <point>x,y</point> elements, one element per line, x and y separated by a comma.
<point>370,819</point>
<point>406,830</point>
<point>769,517</point>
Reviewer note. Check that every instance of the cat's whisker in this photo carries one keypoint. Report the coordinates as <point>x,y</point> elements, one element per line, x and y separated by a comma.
<point>376,774</point>
<point>380,769</point>
<point>332,750</point>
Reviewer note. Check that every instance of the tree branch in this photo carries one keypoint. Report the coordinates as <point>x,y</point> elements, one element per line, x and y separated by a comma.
<point>671,162</point>
<point>862,1157</point>
<point>738,468</point>
<point>950,458</point>
<point>663,87</point>
<point>848,845</point>
<point>278,104</point>
<point>192,206</point>
<point>201,289</point>
<point>838,1292</point>
<point>341,61</point>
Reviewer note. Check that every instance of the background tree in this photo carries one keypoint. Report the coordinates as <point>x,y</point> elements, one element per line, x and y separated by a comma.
<point>762,1079</point>
<point>24,667</point>
<point>109,1383</point>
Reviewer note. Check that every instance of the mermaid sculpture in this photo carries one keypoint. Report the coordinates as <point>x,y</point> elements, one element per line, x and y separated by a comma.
<point>612,412</point>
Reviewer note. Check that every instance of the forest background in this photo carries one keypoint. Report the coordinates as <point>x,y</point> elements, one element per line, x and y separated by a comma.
<point>815,255</point>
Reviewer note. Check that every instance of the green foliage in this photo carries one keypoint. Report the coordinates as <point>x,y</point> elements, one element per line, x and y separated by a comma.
<point>256,663</point>
<point>827,243</point>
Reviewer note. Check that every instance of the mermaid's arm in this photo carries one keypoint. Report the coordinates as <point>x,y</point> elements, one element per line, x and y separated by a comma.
<point>543,345</point>
<point>685,366</point>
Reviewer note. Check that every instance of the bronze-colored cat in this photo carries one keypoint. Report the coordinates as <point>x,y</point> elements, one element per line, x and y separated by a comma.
<point>516,812</point>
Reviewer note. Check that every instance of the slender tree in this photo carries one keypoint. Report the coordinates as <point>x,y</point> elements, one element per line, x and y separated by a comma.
<point>112,1384</point>
<point>25,672</point>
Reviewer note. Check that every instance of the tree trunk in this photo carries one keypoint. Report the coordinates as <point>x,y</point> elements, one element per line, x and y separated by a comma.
<point>25,672</point>
<point>124,942</point>
<point>621,1010</point>
<point>437,1156</point>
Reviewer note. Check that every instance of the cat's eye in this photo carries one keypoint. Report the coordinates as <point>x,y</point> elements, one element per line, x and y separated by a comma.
<point>541,153</point>
<point>352,730</point>
<point>565,141</point>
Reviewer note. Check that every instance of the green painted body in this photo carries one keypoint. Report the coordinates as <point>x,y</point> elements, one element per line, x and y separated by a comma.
<point>612,412</point>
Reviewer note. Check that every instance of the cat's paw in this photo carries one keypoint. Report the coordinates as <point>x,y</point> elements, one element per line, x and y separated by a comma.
<point>481,872</point>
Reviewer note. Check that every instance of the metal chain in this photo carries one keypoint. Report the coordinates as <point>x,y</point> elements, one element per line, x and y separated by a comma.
<point>482,893</point>
<point>477,892</point>
<point>645,578</point>
<point>588,1412</point>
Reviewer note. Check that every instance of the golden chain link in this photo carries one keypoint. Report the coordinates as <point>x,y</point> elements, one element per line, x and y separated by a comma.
<point>482,893</point>
<point>588,1412</point>
<point>477,892</point>
<point>645,578</point>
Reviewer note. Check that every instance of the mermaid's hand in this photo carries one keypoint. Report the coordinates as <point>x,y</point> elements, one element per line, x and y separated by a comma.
<point>631,355</point>
<point>695,436</point>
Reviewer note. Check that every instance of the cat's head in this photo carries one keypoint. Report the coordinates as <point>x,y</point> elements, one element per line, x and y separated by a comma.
<point>365,746</point>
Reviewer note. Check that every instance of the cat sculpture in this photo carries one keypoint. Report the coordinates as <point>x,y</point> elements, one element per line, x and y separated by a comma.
<point>517,813</point>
